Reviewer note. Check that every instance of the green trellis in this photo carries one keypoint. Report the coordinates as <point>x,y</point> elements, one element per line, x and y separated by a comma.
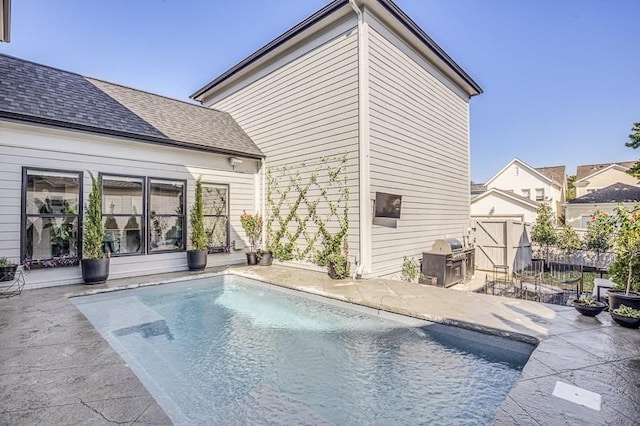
<point>308,216</point>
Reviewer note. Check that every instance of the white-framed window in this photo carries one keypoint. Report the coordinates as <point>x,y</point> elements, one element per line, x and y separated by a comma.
<point>539,194</point>
<point>591,190</point>
<point>526,193</point>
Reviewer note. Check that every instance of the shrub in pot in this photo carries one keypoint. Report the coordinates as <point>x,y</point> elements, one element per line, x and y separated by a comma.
<point>197,256</point>
<point>338,266</point>
<point>252,226</point>
<point>588,306</point>
<point>626,316</point>
<point>625,271</point>
<point>7,269</point>
<point>95,265</point>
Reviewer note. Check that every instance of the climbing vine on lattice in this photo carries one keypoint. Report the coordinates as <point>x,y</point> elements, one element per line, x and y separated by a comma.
<point>308,215</point>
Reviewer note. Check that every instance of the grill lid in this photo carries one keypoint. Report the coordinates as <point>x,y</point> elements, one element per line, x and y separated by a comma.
<point>447,246</point>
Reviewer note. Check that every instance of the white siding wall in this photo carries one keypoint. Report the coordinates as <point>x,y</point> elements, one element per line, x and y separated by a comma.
<point>516,177</point>
<point>306,109</point>
<point>500,207</point>
<point>575,212</point>
<point>44,148</point>
<point>419,149</point>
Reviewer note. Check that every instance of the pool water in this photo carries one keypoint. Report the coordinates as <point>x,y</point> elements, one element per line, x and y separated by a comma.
<point>228,350</point>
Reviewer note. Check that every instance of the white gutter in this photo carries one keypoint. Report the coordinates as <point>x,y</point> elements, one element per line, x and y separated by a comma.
<point>364,161</point>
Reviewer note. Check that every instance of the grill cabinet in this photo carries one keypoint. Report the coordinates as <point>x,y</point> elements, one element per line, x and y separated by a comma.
<point>448,262</point>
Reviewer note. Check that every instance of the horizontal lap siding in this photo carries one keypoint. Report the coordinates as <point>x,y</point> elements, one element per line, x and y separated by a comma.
<point>419,149</point>
<point>72,151</point>
<point>306,110</point>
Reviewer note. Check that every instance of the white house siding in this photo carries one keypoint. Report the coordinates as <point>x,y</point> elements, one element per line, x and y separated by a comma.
<point>38,147</point>
<point>419,149</point>
<point>518,177</point>
<point>497,206</point>
<point>306,109</point>
<point>606,178</point>
<point>574,213</point>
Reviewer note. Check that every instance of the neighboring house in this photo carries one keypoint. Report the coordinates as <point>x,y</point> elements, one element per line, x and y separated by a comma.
<point>361,78</point>
<point>499,204</point>
<point>148,150</point>
<point>5,20</point>
<point>593,177</point>
<point>579,210</point>
<point>542,185</point>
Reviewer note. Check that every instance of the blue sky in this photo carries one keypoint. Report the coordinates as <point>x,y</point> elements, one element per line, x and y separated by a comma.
<point>561,77</point>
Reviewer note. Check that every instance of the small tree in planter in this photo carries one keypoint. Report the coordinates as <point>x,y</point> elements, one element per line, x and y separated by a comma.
<point>599,234</point>
<point>625,271</point>
<point>544,233</point>
<point>95,265</point>
<point>338,262</point>
<point>197,256</point>
<point>252,225</point>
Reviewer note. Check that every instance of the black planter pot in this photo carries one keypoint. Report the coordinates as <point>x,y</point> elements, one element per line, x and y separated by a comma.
<point>333,274</point>
<point>8,273</point>
<point>627,322</point>
<point>587,310</point>
<point>619,297</point>
<point>266,259</point>
<point>252,258</point>
<point>197,259</point>
<point>95,271</point>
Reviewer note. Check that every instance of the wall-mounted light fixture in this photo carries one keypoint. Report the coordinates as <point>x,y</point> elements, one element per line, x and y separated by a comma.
<point>234,161</point>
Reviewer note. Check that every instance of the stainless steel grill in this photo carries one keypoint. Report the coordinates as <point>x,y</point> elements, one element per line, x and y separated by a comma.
<point>449,262</point>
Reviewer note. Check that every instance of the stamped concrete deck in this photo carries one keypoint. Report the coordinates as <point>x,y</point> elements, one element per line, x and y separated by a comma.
<point>56,369</point>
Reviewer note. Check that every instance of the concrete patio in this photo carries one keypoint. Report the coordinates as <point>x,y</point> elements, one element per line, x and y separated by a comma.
<point>56,369</point>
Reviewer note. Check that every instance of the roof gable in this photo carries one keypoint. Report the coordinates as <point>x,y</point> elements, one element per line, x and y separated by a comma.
<point>585,170</point>
<point>522,164</point>
<point>40,94</point>
<point>616,193</point>
<point>343,7</point>
<point>599,171</point>
<point>518,199</point>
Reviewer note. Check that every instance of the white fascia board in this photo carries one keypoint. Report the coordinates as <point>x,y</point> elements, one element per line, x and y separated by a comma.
<point>523,164</point>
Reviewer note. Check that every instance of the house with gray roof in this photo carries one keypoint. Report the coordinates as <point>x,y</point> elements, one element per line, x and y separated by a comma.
<point>594,177</point>
<point>57,126</point>
<point>578,211</point>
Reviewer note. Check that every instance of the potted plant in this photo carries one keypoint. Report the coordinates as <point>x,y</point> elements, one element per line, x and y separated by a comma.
<point>197,256</point>
<point>95,265</point>
<point>626,316</point>
<point>338,266</point>
<point>625,270</point>
<point>544,232</point>
<point>266,255</point>
<point>411,270</point>
<point>252,225</point>
<point>7,269</point>
<point>588,306</point>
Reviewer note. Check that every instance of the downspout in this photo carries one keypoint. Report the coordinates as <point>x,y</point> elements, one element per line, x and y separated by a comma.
<point>364,265</point>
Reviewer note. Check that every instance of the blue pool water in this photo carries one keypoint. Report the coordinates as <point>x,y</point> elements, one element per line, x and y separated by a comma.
<point>228,350</point>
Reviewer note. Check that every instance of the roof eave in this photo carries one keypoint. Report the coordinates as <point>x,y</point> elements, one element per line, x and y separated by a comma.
<point>21,118</point>
<point>472,88</point>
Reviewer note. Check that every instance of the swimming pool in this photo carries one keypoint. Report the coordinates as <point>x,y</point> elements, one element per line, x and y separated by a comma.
<point>229,350</point>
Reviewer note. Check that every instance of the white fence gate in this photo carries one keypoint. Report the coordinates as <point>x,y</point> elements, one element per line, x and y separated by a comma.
<point>502,243</point>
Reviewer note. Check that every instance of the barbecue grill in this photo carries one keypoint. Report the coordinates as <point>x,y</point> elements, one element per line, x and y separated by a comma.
<point>449,262</point>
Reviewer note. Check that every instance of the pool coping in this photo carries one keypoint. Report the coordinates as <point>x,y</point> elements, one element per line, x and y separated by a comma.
<point>570,349</point>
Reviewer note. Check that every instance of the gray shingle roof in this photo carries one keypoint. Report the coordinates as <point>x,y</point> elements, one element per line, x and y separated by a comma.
<point>616,193</point>
<point>584,170</point>
<point>37,93</point>
<point>555,173</point>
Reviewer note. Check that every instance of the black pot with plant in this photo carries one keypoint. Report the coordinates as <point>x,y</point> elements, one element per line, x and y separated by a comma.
<point>197,256</point>
<point>626,316</point>
<point>7,269</point>
<point>252,226</point>
<point>266,258</point>
<point>625,270</point>
<point>95,265</point>
<point>588,306</point>
<point>338,266</point>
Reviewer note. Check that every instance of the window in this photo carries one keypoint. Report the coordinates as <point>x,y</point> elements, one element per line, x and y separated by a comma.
<point>539,194</point>
<point>216,216</point>
<point>122,213</point>
<point>584,220</point>
<point>590,190</point>
<point>166,215</point>
<point>516,171</point>
<point>526,193</point>
<point>52,201</point>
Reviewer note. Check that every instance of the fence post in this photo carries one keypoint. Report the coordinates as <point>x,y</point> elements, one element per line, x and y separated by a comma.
<point>508,243</point>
